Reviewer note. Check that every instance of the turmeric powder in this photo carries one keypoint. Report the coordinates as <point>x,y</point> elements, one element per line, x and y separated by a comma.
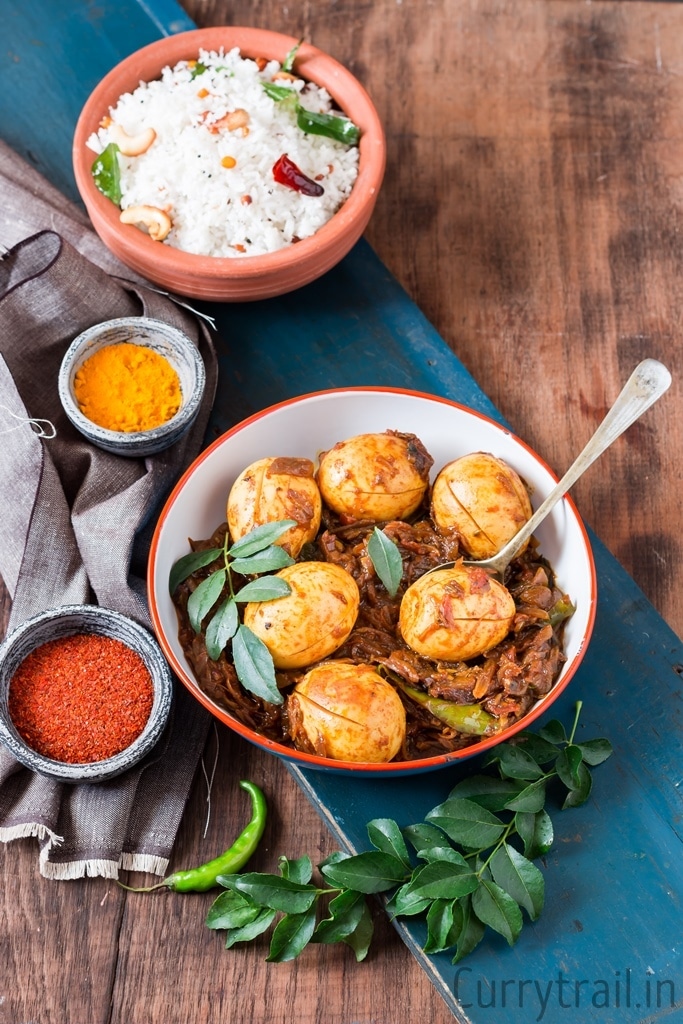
<point>127,387</point>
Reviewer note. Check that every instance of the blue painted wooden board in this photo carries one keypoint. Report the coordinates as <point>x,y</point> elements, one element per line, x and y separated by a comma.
<point>608,945</point>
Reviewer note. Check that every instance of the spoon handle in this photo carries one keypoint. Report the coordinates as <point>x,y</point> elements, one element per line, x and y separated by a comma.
<point>647,383</point>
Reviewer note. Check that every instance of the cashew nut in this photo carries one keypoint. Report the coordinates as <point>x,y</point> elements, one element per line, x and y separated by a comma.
<point>231,121</point>
<point>132,145</point>
<point>156,221</point>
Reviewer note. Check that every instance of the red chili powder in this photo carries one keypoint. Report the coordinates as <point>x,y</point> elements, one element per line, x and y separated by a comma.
<point>81,698</point>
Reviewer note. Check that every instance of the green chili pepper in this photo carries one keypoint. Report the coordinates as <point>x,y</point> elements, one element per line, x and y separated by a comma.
<point>561,610</point>
<point>334,127</point>
<point>107,173</point>
<point>202,878</point>
<point>468,718</point>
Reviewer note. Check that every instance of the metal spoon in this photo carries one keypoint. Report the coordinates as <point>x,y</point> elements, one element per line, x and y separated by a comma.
<point>647,383</point>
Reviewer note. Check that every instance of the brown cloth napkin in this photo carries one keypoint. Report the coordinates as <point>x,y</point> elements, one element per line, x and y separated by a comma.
<point>76,521</point>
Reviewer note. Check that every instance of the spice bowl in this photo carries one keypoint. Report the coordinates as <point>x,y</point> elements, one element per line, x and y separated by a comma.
<point>163,347</point>
<point>82,681</point>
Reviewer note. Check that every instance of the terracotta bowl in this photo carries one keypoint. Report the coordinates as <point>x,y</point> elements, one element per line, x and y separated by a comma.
<point>312,423</point>
<point>250,277</point>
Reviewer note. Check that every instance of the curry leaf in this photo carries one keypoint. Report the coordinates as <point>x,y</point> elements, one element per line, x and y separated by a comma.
<point>387,837</point>
<point>496,908</point>
<point>577,796</point>
<point>299,870</point>
<point>471,933</point>
<point>188,564</point>
<point>531,798</point>
<point>542,751</point>
<point>279,93</point>
<point>553,732</point>
<point>520,878</point>
<point>290,57</point>
<point>466,823</point>
<point>442,853</point>
<point>291,935</point>
<point>202,600</point>
<point>594,752</point>
<point>221,628</point>
<point>254,665</point>
<point>106,173</point>
<point>444,925</point>
<point>515,763</point>
<point>406,903</point>
<point>423,836</point>
<point>488,792</point>
<point>477,880</point>
<point>252,929</point>
<point>260,537</point>
<point>231,910</point>
<point>567,766</point>
<point>335,858</point>
<point>535,831</point>
<point>360,938</point>
<point>270,559</point>
<point>266,588</point>
<point>346,910</point>
<point>443,880</point>
<point>272,891</point>
<point>367,872</point>
<point>386,558</point>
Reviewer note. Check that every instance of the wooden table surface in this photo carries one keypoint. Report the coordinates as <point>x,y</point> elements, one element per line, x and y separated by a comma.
<point>532,209</point>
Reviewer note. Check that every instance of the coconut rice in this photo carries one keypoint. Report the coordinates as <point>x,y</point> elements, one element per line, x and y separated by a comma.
<point>214,181</point>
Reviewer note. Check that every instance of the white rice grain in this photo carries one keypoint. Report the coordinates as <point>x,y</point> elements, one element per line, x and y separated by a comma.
<point>228,211</point>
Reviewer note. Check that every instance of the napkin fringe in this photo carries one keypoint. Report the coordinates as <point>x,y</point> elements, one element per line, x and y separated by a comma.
<point>77,868</point>
<point>147,862</point>
<point>30,830</point>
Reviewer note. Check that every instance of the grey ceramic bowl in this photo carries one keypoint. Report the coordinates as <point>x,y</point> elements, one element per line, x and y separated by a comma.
<point>67,621</point>
<point>175,346</point>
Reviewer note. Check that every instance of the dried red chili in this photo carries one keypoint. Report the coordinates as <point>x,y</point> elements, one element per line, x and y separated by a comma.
<point>286,172</point>
<point>81,698</point>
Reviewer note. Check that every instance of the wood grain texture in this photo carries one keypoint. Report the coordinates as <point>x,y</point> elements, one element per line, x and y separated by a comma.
<point>531,208</point>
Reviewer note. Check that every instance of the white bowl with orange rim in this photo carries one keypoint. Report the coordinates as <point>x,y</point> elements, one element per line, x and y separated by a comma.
<point>304,426</point>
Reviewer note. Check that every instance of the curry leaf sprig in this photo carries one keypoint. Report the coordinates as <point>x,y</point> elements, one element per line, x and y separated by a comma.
<point>471,866</point>
<point>253,554</point>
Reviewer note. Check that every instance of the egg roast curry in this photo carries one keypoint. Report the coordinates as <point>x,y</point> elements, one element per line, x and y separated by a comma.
<point>451,657</point>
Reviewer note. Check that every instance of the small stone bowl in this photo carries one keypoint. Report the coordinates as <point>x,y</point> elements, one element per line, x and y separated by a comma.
<point>64,622</point>
<point>175,346</point>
